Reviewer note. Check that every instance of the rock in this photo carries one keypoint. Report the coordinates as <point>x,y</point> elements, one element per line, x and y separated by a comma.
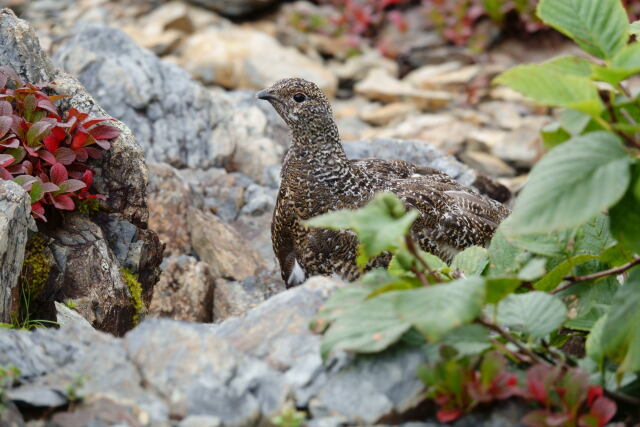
<point>423,154</point>
<point>10,416</point>
<point>237,58</point>
<point>88,273</point>
<point>201,374</point>
<point>169,198</point>
<point>99,411</point>
<point>259,200</point>
<point>487,164</point>
<point>184,291</point>
<point>386,114</point>
<point>15,222</point>
<point>234,7</point>
<point>66,317</point>
<point>200,421</point>
<point>521,147</point>
<point>174,119</point>
<point>447,76</point>
<point>380,86</point>
<point>235,298</point>
<point>357,67</point>
<point>227,252</point>
<point>257,230</point>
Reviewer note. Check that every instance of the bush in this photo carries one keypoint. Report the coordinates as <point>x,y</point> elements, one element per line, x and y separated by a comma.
<point>565,266</point>
<point>43,151</point>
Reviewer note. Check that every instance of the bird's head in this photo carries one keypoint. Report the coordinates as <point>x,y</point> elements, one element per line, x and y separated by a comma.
<point>298,102</point>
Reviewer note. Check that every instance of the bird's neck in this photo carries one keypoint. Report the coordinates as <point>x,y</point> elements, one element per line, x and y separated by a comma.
<point>318,152</point>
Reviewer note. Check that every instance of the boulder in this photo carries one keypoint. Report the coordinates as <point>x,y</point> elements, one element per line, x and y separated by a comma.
<point>226,252</point>
<point>237,57</point>
<point>15,222</point>
<point>234,8</point>
<point>184,291</point>
<point>89,254</point>
<point>235,298</point>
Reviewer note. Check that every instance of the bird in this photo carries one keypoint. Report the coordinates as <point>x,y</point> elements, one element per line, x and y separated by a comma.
<point>317,177</point>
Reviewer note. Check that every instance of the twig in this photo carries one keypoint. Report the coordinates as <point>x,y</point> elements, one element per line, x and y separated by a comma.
<point>576,279</point>
<point>507,336</point>
<point>505,350</point>
<point>614,118</point>
<point>414,251</point>
<point>420,275</point>
<point>634,401</point>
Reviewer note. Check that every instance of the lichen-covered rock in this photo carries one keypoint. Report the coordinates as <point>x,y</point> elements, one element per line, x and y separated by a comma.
<point>15,222</point>
<point>184,291</point>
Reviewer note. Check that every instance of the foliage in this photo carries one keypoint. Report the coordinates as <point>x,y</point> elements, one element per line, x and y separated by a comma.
<point>8,375</point>
<point>45,152</point>
<point>565,264</point>
<point>289,417</point>
<point>135,292</point>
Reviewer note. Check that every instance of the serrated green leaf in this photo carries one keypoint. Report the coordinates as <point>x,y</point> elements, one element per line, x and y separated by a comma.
<point>437,309</point>
<point>573,183</point>
<point>571,65</point>
<point>621,334</point>
<point>381,225</point>
<point>505,259</point>
<point>468,340</point>
<point>471,261</point>
<point>594,300</point>
<point>551,281</point>
<point>534,269</point>
<point>625,221</point>
<point>616,255</point>
<point>553,134</point>
<point>601,27</point>
<point>548,87</point>
<point>593,346</point>
<point>574,121</point>
<point>535,314</point>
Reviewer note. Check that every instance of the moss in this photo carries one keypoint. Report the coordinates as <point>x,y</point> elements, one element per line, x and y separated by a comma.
<point>135,290</point>
<point>36,266</point>
<point>88,207</point>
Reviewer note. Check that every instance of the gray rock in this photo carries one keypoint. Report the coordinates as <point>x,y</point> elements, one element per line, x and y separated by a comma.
<point>234,7</point>
<point>200,374</point>
<point>66,317</point>
<point>15,222</point>
<point>259,200</point>
<point>175,120</point>
<point>235,298</point>
<point>9,415</point>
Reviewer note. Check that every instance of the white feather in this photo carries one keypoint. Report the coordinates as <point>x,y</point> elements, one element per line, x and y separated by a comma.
<point>297,275</point>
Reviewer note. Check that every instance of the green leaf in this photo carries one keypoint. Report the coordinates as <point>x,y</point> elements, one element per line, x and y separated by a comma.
<point>37,131</point>
<point>498,288</point>
<point>634,28</point>
<point>36,191</point>
<point>535,314</point>
<point>573,183</point>
<point>471,261</point>
<point>340,302</point>
<point>369,327</point>
<point>548,87</point>
<point>533,269</point>
<point>505,259</point>
<point>468,340</point>
<point>625,221</point>
<point>569,65</point>
<point>437,309</point>
<point>555,276</point>
<point>553,134</point>
<point>621,334</point>
<point>593,346</point>
<point>600,27</point>
<point>616,255</point>
<point>380,226</point>
<point>574,121</point>
<point>628,59</point>
<point>594,300</point>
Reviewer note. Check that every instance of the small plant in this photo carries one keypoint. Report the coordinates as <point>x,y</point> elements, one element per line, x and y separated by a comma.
<point>70,304</point>
<point>135,290</point>
<point>8,375</point>
<point>45,152</point>
<point>290,417</point>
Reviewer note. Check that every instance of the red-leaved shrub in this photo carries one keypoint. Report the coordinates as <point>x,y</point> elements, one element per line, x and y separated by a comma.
<point>45,152</point>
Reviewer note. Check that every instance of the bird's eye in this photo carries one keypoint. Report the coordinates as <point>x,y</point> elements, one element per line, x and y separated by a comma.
<point>299,97</point>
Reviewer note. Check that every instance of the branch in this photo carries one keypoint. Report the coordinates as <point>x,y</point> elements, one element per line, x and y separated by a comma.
<point>414,251</point>
<point>507,336</point>
<point>576,279</point>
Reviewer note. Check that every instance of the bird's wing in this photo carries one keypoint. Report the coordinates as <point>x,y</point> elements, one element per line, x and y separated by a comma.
<point>283,233</point>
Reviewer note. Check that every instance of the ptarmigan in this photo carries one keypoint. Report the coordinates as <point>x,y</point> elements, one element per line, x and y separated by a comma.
<point>317,177</point>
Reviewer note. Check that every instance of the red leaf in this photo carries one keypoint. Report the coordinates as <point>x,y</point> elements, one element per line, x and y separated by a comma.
<point>594,393</point>
<point>72,185</point>
<point>6,160</point>
<point>4,174</point>
<point>65,155</point>
<point>47,105</point>
<point>49,187</point>
<point>38,211</point>
<point>604,409</point>
<point>448,415</point>
<point>97,120</point>
<point>5,125</point>
<point>52,142</point>
<point>94,153</point>
<point>5,108</point>
<point>10,143</point>
<point>87,178</point>
<point>58,173</point>
<point>104,132</point>
<point>47,157</point>
<point>81,154</point>
<point>63,202</point>
<point>79,140</point>
<point>105,145</point>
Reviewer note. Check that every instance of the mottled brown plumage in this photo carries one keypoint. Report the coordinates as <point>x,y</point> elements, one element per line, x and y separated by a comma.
<point>317,177</point>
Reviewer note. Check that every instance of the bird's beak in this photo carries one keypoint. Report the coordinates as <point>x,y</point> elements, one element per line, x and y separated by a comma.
<point>266,95</point>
